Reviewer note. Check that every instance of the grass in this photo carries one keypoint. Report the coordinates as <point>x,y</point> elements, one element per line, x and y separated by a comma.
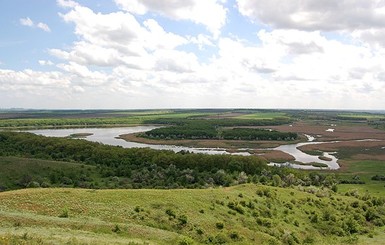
<point>364,170</point>
<point>95,120</point>
<point>247,214</point>
<point>262,115</point>
<point>362,115</point>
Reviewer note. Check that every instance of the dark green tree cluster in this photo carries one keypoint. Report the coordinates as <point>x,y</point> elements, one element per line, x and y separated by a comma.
<point>257,134</point>
<point>192,128</point>
<point>201,131</point>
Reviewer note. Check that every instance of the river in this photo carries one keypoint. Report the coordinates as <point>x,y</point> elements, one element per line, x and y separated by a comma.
<point>109,136</point>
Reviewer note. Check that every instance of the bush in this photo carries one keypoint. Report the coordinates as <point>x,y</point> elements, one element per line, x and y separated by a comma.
<point>236,207</point>
<point>264,222</point>
<point>33,184</point>
<point>138,209</point>
<point>186,241</point>
<point>64,214</point>
<point>219,225</point>
<point>199,231</point>
<point>182,219</point>
<point>170,213</point>
<point>235,236</point>
<point>351,226</point>
<point>116,229</point>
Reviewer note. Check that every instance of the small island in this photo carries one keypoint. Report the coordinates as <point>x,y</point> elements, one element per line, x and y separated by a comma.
<point>79,135</point>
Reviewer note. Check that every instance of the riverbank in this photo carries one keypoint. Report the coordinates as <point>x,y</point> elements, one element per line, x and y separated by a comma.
<point>229,145</point>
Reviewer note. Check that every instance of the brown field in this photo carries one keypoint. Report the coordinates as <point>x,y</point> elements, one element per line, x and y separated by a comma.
<point>356,150</point>
<point>230,145</point>
<point>341,132</point>
<point>333,146</point>
<point>277,156</point>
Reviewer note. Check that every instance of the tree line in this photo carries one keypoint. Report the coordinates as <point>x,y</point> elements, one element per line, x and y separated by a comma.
<point>216,129</point>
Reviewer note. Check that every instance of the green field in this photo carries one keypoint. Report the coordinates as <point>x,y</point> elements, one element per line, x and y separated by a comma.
<point>367,116</point>
<point>263,115</point>
<point>89,119</point>
<point>245,214</point>
<point>364,170</point>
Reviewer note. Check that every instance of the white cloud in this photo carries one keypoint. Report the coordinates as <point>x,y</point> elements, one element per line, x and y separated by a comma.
<point>28,22</point>
<point>122,60</point>
<point>45,62</point>
<point>362,19</point>
<point>43,26</point>
<point>290,66</point>
<point>67,3</point>
<point>116,39</point>
<point>327,15</point>
<point>210,13</point>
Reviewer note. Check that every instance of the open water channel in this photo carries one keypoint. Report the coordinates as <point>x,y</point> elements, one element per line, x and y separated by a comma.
<point>109,136</point>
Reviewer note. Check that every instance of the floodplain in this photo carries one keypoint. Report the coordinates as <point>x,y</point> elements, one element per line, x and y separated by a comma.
<point>69,190</point>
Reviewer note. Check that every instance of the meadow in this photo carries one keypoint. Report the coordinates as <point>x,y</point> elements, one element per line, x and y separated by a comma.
<point>243,214</point>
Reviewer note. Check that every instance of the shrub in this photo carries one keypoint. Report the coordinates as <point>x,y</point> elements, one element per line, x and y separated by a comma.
<point>116,229</point>
<point>182,219</point>
<point>235,236</point>
<point>236,207</point>
<point>186,241</point>
<point>314,218</point>
<point>64,213</point>
<point>199,231</point>
<point>33,184</point>
<point>351,226</point>
<point>170,213</point>
<point>138,209</point>
<point>264,222</point>
<point>219,225</point>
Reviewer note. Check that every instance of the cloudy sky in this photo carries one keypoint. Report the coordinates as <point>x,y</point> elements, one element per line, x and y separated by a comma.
<point>125,54</point>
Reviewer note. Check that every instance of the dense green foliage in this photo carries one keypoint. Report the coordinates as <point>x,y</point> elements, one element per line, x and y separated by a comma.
<point>257,134</point>
<point>140,167</point>
<point>104,166</point>
<point>214,129</point>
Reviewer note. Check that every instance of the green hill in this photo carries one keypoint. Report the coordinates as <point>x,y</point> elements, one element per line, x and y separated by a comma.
<point>243,214</point>
<point>17,172</point>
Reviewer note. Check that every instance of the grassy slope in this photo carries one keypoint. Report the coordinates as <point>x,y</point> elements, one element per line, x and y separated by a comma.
<point>13,169</point>
<point>139,216</point>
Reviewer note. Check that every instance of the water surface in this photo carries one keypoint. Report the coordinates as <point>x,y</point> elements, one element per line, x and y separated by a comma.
<point>109,136</point>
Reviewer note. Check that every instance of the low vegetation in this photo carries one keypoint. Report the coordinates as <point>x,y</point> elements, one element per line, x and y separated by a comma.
<point>244,214</point>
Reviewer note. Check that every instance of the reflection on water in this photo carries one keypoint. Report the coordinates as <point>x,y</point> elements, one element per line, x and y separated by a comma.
<point>108,136</point>
<point>301,156</point>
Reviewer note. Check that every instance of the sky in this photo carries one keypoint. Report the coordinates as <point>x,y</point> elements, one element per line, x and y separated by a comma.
<point>145,54</point>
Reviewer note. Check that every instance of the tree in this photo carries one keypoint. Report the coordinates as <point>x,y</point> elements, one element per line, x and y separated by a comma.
<point>277,181</point>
